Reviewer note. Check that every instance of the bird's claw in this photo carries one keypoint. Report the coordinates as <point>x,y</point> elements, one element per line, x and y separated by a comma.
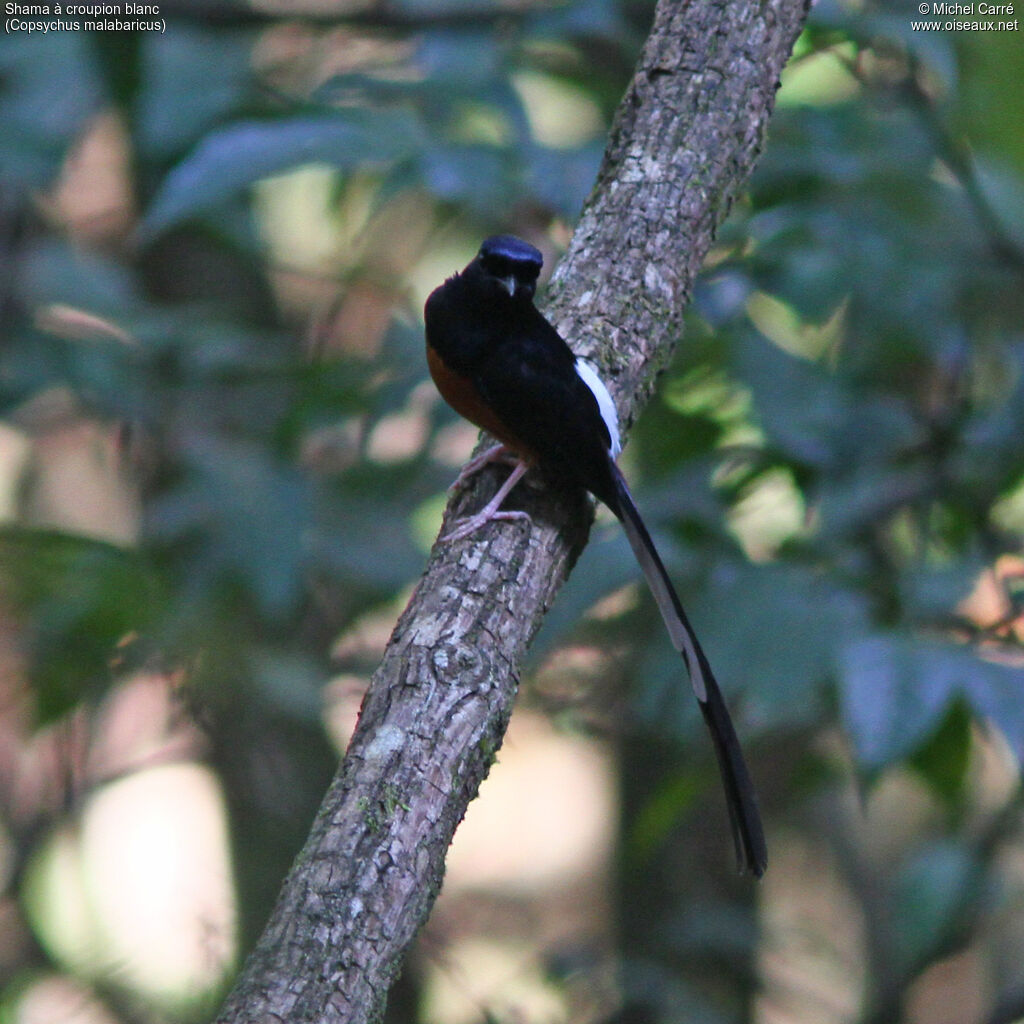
<point>464,527</point>
<point>492,510</point>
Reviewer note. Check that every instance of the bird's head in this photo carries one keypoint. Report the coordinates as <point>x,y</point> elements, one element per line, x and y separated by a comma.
<point>511,264</point>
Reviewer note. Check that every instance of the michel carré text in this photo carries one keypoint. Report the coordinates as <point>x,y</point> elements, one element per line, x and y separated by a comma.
<point>952,10</point>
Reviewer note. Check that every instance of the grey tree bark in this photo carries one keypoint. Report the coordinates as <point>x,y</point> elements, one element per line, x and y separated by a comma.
<point>685,138</point>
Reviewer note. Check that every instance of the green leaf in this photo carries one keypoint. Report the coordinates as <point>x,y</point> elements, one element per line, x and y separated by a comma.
<point>192,76</point>
<point>467,59</point>
<point>774,634</point>
<point>235,157</point>
<point>668,439</point>
<point>801,408</point>
<point>889,699</point>
<point>818,418</point>
<point>870,26</point>
<point>81,599</point>
<point>477,175</point>
<point>943,760</point>
<point>894,690</point>
<point>50,88</point>
<point>244,517</point>
<point>930,592</point>
<point>590,19</point>
<point>56,271</point>
<point>562,178</point>
<point>990,457</point>
<point>857,499</point>
<point>105,375</point>
<point>658,817</point>
<point>932,891</point>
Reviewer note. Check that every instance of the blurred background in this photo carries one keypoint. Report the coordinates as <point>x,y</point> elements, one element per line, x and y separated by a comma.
<point>222,466</point>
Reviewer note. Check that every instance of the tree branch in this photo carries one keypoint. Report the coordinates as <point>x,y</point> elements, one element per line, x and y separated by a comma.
<point>684,140</point>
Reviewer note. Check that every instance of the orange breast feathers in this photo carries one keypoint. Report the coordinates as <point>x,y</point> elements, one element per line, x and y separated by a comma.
<point>460,394</point>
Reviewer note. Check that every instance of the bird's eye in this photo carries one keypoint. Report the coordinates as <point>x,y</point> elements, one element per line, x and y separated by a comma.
<point>498,266</point>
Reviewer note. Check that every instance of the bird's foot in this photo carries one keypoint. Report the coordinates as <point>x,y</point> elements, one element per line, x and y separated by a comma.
<point>496,453</point>
<point>473,523</point>
<point>492,510</point>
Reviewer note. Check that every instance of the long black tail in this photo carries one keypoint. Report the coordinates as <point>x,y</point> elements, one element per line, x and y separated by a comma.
<point>747,830</point>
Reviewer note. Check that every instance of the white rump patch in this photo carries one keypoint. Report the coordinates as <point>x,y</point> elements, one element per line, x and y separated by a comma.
<point>605,405</point>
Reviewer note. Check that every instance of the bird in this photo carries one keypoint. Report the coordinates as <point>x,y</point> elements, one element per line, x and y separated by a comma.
<point>498,362</point>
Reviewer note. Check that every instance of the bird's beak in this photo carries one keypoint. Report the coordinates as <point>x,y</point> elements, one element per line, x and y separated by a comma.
<point>509,284</point>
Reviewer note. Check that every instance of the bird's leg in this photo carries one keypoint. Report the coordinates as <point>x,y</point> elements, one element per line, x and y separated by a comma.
<point>492,510</point>
<point>496,453</point>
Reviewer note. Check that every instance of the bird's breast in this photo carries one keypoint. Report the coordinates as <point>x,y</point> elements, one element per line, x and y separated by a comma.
<point>459,392</point>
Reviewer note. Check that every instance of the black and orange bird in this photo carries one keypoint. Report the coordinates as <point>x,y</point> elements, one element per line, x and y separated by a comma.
<point>497,361</point>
